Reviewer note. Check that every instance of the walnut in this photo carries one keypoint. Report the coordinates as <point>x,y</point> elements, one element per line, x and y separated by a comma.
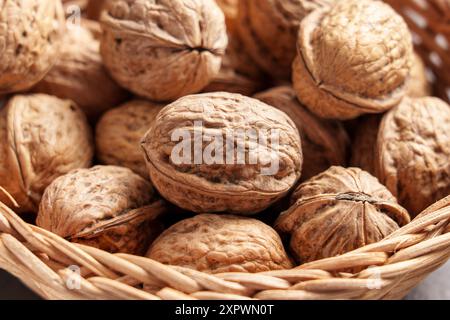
<point>107,207</point>
<point>410,148</point>
<point>30,38</point>
<point>163,50</point>
<point>214,244</point>
<point>41,138</point>
<point>353,59</point>
<point>338,211</point>
<point>325,143</point>
<point>79,75</point>
<point>269,30</point>
<point>119,133</point>
<point>210,153</point>
<point>238,73</point>
<point>419,86</point>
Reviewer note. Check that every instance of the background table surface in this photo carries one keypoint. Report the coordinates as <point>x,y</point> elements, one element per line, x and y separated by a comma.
<point>436,286</point>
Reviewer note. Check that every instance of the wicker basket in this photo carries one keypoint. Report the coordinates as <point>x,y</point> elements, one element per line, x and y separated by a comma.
<point>57,269</point>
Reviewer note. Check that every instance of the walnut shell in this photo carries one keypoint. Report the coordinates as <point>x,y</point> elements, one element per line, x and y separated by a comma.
<point>163,50</point>
<point>411,151</point>
<point>107,207</point>
<point>119,133</point>
<point>269,31</point>
<point>241,187</point>
<point>238,73</point>
<point>30,37</point>
<point>339,211</point>
<point>214,244</point>
<point>79,75</point>
<point>353,59</point>
<point>419,86</point>
<point>325,143</point>
<point>41,138</point>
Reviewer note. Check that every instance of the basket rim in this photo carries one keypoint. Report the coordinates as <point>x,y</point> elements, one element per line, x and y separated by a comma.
<point>388,269</point>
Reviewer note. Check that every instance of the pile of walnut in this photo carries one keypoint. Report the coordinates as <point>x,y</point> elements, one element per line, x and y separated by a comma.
<point>90,106</point>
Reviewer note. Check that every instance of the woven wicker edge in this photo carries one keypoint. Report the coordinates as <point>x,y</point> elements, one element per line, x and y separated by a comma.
<point>57,269</point>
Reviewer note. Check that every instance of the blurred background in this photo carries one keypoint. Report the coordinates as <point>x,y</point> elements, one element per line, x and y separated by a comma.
<point>435,287</point>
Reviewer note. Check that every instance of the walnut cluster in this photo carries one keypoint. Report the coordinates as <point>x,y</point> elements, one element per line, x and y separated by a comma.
<point>156,127</point>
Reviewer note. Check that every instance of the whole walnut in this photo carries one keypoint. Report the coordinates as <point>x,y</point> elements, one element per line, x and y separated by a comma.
<point>325,143</point>
<point>163,50</point>
<point>79,75</point>
<point>214,244</point>
<point>238,74</point>
<point>269,31</point>
<point>30,39</point>
<point>41,138</point>
<point>419,86</point>
<point>223,152</point>
<point>106,207</point>
<point>353,58</point>
<point>339,211</point>
<point>411,151</point>
<point>119,133</point>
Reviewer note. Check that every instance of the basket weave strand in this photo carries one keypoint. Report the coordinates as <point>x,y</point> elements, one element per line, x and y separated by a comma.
<point>388,269</point>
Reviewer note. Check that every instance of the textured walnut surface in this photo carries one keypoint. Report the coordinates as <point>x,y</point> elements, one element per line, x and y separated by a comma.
<point>119,133</point>
<point>234,188</point>
<point>30,35</point>
<point>338,211</point>
<point>269,30</point>
<point>354,58</point>
<point>214,244</point>
<point>41,138</point>
<point>106,206</point>
<point>419,86</point>
<point>79,75</point>
<point>163,50</point>
<point>413,152</point>
<point>325,143</point>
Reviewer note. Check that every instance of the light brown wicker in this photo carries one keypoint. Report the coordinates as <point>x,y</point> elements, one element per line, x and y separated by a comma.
<point>389,269</point>
<point>429,20</point>
<point>57,269</point>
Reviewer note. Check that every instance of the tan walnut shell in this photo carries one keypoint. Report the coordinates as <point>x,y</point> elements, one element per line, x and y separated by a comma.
<point>41,138</point>
<point>79,75</point>
<point>419,86</point>
<point>411,151</point>
<point>353,59</point>
<point>221,177</point>
<point>30,38</point>
<point>238,73</point>
<point>106,207</point>
<point>339,211</point>
<point>163,50</point>
<point>119,133</point>
<point>221,243</point>
<point>269,31</point>
<point>325,143</point>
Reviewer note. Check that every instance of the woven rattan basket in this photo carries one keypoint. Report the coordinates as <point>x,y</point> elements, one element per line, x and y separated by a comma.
<point>57,269</point>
